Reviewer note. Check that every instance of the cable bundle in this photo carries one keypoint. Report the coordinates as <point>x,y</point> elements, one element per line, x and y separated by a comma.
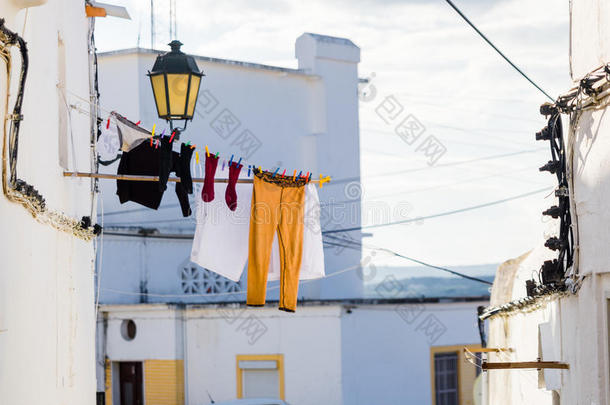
<point>15,189</point>
<point>552,272</point>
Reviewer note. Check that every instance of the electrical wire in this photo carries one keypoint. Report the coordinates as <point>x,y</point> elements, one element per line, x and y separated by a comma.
<point>496,49</point>
<point>437,166</point>
<point>355,245</point>
<point>442,214</point>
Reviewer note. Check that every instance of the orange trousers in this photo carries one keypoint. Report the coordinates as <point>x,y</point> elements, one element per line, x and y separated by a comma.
<point>277,206</point>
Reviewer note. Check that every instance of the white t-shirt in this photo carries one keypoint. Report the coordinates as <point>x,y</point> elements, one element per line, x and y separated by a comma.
<point>221,235</point>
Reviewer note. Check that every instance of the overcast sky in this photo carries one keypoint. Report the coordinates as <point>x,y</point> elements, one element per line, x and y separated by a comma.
<point>424,54</point>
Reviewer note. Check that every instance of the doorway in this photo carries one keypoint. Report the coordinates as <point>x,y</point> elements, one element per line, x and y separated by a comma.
<point>130,378</point>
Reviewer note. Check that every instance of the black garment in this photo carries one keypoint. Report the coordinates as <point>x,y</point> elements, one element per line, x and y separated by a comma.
<point>145,160</point>
<point>166,161</point>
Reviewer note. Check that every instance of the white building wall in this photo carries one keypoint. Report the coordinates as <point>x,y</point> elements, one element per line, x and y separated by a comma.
<point>46,283</point>
<point>333,354</point>
<point>310,341</point>
<point>579,322</point>
<point>386,355</point>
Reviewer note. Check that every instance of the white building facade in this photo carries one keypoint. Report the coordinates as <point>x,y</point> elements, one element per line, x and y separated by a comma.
<point>47,315</point>
<point>571,327</point>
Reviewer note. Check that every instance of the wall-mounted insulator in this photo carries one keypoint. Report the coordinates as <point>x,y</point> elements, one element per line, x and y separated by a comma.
<point>530,287</point>
<point>551,271</point>
<point>554,243</point>
<point>562,192</point>
<point>548,109</point>
<point>554,212</point>
<point>552,166</point>
<point>543,135</point>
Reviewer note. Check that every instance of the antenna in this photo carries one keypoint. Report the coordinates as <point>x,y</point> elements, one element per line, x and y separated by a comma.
<point>152,24</point>
<point>172,20</point>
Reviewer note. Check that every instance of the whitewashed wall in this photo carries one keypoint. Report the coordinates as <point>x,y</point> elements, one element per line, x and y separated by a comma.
<point>579,323</point>
<point>46,278</point>
<point>386,356</point>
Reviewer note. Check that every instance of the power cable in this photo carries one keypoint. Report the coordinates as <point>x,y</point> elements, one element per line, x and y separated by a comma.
<point>496,49</point>
<point>442,214</point>
<point>356,245</point>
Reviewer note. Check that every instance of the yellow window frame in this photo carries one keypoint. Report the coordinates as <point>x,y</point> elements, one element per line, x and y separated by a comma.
<point>462,362</point>
<point>278,358</point>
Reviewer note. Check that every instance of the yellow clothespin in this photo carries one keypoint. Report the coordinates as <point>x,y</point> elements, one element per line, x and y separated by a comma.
<point>196,157</point>
<point>207,152</point>
<point>324,180</point>
<point>294,175</point>
<point>153,130</point>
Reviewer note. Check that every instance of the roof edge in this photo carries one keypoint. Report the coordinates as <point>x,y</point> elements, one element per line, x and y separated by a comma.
<point>231,62</point>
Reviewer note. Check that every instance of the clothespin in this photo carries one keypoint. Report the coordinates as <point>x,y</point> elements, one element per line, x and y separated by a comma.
<point>193,146</point>
<point>300,174</point>
<point>152,135</point>
<point>207,152</point>
<point>283,173</point>
<point>188,143</point>
<point>108,123</point>
<point>249,166</point>
<point>172,137</point>
<point>231,160</point>
<point>275,172</point>
<point>157,144</point>
<point>294,175</point>
<point>163,133</point>
<point>196,157</point>
<point>324,180</point>
<point>307,178</point>
<point>138,123</point>
<point>238,162</point>
<point>216,155</point>
<point>223,164</point>
<point>259,169</point>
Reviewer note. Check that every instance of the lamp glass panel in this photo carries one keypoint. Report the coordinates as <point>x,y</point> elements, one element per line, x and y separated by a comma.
<point>158,85</point>
<point>195,81</point>
<point>177,85</point>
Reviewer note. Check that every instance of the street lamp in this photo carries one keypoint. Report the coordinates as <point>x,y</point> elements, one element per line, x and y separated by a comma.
<point>175,80</point>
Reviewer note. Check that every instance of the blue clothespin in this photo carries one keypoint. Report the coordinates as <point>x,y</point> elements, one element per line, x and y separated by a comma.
<point>231,160</point>
<point>249,166</point>
<point>300,174</point>
<point>238,162</point>
<point>275,172</point>
<point>223,164</point>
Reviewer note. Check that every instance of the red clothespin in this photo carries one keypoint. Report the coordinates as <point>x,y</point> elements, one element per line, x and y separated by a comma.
<point>108,123</point>
<point>138,123</point>
<point>172,137</point>
<point>307,178</point>
<point>283,173</point>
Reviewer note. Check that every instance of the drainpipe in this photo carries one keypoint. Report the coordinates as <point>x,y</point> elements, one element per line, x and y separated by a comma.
<point>185,355</point>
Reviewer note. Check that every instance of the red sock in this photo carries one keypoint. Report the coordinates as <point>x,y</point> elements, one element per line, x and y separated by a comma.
<point>208,183</point>
<point>231,194</point>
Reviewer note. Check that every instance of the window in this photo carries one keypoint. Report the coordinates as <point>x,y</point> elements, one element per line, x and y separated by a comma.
<point>446,378</point>
<point>452,376</point>
<point>260,376</point>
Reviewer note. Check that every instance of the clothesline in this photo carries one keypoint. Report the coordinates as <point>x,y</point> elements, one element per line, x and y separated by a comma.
<point>129,177</point>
